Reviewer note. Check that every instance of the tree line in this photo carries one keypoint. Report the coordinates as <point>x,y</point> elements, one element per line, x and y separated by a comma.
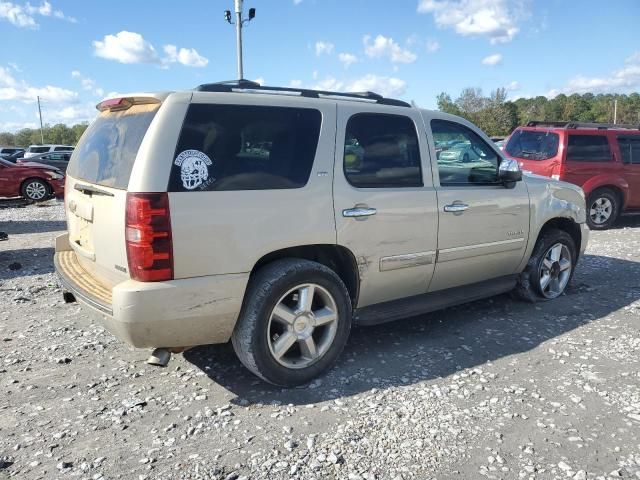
<point>498,116</point>
<point>57,134</point>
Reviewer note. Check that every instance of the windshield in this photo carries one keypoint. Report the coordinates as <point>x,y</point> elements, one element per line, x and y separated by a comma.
<point>107,150</point>
<point>533,144</point>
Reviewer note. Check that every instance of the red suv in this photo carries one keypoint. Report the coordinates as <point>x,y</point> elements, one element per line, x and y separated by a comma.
<point>603,159</point>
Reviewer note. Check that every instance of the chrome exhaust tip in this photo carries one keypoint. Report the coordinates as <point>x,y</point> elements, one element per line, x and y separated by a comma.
<point>159,357</point>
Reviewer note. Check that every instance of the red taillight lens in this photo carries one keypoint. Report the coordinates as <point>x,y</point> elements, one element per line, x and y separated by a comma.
<point>148,237</point>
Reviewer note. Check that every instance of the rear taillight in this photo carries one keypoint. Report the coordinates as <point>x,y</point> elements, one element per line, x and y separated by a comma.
<point>148,237</point>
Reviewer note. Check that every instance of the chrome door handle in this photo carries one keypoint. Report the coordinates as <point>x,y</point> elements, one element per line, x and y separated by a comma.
<point>359,212</point>
<point>456,207</point>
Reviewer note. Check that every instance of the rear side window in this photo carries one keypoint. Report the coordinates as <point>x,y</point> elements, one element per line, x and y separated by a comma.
<point>630,149</point>
<point>106,152</point>
<point>39,149</point>
<point>533,144</point>
<point>381,151</point>
<point>238,147</point>
<point>588,148</point>
<point>63,149</point>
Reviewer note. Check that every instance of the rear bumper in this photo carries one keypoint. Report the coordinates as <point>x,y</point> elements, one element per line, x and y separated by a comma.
<point>178,313</point>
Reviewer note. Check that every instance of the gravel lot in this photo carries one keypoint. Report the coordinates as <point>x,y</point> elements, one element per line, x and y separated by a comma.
<point>494,389</point>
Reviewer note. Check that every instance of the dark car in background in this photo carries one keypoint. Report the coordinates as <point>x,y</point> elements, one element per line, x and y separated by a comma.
<point>6,152</point>
<point>59,160</point>
<point>32,181</point>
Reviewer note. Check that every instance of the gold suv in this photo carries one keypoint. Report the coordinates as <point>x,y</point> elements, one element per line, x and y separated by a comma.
<point>276,218</point>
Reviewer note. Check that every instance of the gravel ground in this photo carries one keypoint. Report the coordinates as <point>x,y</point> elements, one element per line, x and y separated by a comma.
<point>493,389</point>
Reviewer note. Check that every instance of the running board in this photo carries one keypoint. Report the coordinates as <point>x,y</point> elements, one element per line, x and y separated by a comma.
<point>429,302</point>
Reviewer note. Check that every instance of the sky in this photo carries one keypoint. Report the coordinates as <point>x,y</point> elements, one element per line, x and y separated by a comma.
<point>75,53</point>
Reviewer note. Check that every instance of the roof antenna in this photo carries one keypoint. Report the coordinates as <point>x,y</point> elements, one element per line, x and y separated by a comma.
<point>239,24</point>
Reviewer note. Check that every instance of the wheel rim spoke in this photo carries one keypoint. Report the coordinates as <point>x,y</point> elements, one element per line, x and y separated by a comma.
<point>283,344</point>
<point>305,298</point>
<point>547,264</point>
<point>556,251</point>
<point>308,348</point>
<point>544,282</point>
<point>565,265</point>
<point>324,316</point>
<point>284,314</point>
<point>554,286</point>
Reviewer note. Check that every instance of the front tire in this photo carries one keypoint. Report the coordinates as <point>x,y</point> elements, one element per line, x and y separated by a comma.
<point>603,208</point>
<point>35,190</point>
<point>294,323</point>
<point>550,268</point>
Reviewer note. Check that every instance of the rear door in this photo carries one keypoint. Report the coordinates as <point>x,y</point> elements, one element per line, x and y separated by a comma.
<point>385,203</point>
<point>588,155</point>
<point>630,154</point>
<point>96,189</point>
<point>483,226</point>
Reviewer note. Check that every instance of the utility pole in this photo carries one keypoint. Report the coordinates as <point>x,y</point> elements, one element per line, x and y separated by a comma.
<point>239,24</point>
<point>40,113</point>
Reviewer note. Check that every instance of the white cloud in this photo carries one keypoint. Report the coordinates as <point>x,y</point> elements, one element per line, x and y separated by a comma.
<point>433,46</point>
<point>260,80</point>
<point>496,19</point>
<point>297,2</point>
<point>295,83</point>
<point>385,86</point>
<point>513,86</point>
<point>24,15</point>
<point>12,89</point>
<point>347,59</point>
<point>492,60</point>
<point>15,126</point>
<point>125,47</point>
<point>88,84</point>
<point>385,47</point>
<point>324,47</point>
<point>131,47</point>
<point>188,57</point>
<point>625,79</point>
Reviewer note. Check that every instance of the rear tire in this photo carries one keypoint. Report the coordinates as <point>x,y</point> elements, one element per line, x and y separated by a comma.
<point>294,322</point>
<point>547,274</point>
<point>35,190</point>
<point>603,208</point>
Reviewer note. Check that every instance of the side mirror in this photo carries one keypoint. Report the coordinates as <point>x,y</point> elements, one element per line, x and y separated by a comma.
<point>509,172</point>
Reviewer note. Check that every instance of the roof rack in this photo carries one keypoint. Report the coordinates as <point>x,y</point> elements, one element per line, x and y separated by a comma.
<point>235,85</point>
<point>599,126</point>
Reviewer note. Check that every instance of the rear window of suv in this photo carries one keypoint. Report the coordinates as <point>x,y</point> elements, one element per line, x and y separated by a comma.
<point>39,149</point>
<point>240,147</point>
<point>588,148</point>
<point>106,152</point>
<point>533,144</point>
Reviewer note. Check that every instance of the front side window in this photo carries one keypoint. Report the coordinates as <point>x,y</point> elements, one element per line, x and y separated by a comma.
<point>381,151</point>
<point>463,157</point>
<point>39,149</point>
<point>238,147</point>
<point>588,148</point>
<point>630,149</point>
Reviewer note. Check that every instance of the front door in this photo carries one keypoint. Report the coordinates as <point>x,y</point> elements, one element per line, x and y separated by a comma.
<point>384,201</point>
<point>483,226</point>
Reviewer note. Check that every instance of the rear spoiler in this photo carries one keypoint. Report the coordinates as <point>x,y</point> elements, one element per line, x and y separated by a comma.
<point>124,103</point>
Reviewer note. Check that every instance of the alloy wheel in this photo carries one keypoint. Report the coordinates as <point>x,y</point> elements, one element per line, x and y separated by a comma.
<point>35,190</point>
<point>302,326</point>
<point>555,270</point>
<point>600,210</point>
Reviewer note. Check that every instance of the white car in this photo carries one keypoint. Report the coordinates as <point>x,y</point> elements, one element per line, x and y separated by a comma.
<point>34,150</point>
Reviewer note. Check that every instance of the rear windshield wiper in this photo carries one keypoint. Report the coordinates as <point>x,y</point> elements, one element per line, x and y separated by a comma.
<point>91,190</point>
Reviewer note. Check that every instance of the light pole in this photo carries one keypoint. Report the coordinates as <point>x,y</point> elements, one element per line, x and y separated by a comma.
<point>239,23</point>
<point>40,114</point>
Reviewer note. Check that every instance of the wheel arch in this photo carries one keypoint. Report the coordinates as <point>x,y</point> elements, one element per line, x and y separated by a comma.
<point>336,257</point>
<point>617,184</point>
<point>565,224</point>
